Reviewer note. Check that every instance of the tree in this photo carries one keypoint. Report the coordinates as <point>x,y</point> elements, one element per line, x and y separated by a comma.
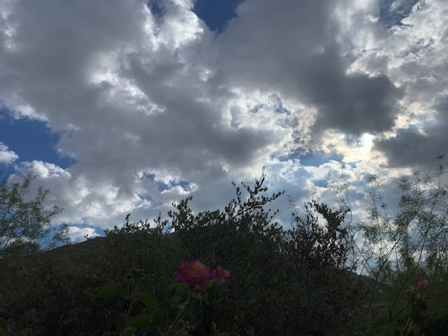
<point>282,282</point>
<point>25,225</point>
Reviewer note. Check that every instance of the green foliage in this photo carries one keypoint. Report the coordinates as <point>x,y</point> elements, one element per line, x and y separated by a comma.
<point>25,224</point>
<point>184,300</point>
<point>135,292</point>
<point>408,244</point>
<point>409,319</point>
<point>414,240</point>
<point>4,329</point>
<point>284,282</point>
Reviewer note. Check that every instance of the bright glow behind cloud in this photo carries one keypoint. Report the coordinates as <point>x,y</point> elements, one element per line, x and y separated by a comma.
<point>155,107</point>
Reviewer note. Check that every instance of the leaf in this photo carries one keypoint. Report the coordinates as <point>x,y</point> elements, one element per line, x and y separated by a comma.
<point>141,286</point>
<point>4,328</point>
<point>249,330</point>
<point>142,321</point>
<point>150,302</point>
<point>128,332</point>
<point>180,287</point>
<point>380,321</point>
<point>111,290</point>
<point>175,303</point>
<point>119,325</point>
<point>157,320</point>
<point>181,333</point>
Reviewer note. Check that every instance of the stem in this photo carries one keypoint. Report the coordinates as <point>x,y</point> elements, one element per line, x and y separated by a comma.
<point>176,320</point>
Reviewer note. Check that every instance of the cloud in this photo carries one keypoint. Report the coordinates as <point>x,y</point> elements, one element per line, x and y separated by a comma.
<point>354,104</point>
<point>77,234</point>
<point>415,54</point>
<point>294,50</point>
<point>7,156</point>
<point>147,98</point>
<point>414,147</point>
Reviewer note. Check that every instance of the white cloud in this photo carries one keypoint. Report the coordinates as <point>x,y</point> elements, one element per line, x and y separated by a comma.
<point>7,156</point>
<point>133,94</point>
<point>78,234</point>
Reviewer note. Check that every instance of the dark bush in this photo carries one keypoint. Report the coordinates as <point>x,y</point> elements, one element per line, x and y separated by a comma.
<point>283,282</point>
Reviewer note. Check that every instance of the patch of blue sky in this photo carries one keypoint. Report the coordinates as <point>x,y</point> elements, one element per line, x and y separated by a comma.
<point>323,183</point>
<point>279,108</point>
<point>392,12</point>
<point>86,224</point>
<point>150,177</point>
<point>185,185</point>
<point>162,186</point>
<point>6,170</point>
<point>47,240</point>
<point>289,157</point>
<point>93,231</point>
<point>155,8</point>
<point>31,140</point>
<point>256,108</point>
<point>318,159</point>
<point>350,164</point>
<point>145,197</point>
<point>216,13</point>
<point>314,159</point>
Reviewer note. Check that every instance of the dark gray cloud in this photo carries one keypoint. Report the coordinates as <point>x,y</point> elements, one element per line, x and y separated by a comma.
<point>411,148</point>
<point>419,146</point>
<point>416,57</point>
<point>306,62</point>
<point>351,103</point>
<point>135,94</point>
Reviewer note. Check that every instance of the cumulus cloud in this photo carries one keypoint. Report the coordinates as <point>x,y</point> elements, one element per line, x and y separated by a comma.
<point>413,53</point>
<point>294,50</point>
<point>7,156</point>
<point>152,105</point>
<point>78,234</point>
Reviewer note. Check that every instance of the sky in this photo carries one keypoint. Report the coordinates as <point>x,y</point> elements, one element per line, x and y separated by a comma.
<point>128,106</point>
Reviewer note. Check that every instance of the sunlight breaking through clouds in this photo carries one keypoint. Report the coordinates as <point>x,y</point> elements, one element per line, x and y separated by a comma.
<point>132,89</point>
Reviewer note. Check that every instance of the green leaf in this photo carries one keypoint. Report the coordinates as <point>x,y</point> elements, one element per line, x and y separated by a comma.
<point>4,328</point>
<point>142,321</point>
<point>111,290</point>
<point>141,285</point>
<point>180,287</point>
<point>249,330</point>
<point>119,325</point>
<point>150,302</point>
<point>380,321</point>
<point>128,332</point>
<point>175,303</point>
<point>157,320</point>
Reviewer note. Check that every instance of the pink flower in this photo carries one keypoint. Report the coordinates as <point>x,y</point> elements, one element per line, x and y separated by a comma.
<point>221,275</point>
<point>420,283</point>
<point>197,275</point>
<point>194,273</point>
